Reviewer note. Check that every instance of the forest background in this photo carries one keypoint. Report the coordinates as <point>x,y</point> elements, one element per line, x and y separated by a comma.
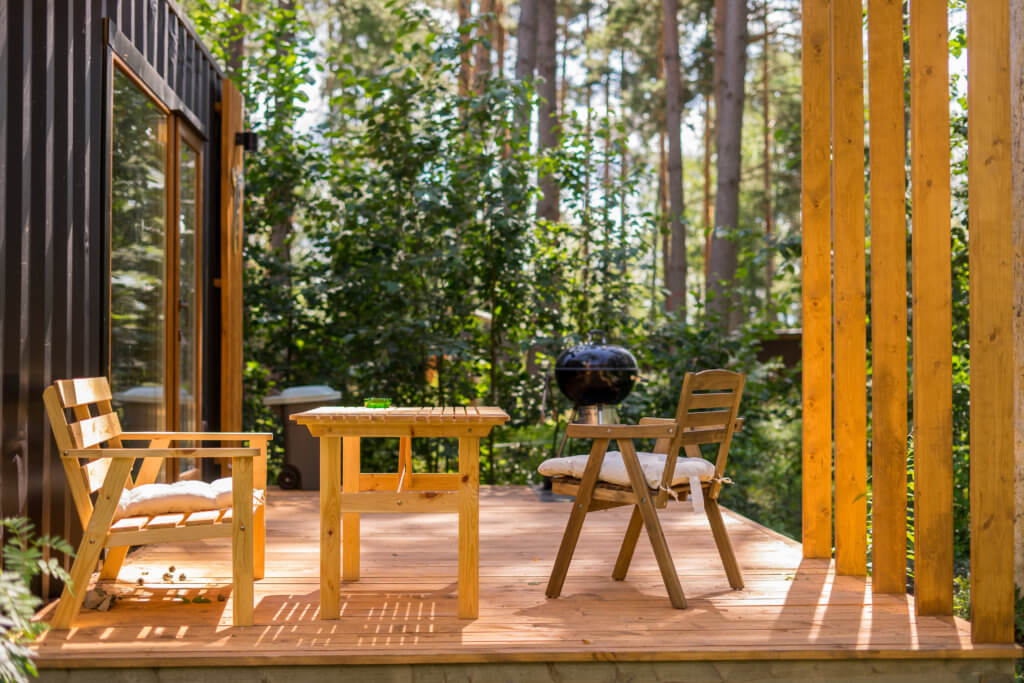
<point>447,194</point>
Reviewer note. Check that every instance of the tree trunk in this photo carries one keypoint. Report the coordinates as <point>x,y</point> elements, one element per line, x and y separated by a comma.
<point>722,301</point>
<point>769,217</point>
<point>707,226</point>
<point>482,70</point>
<point>676,275</point>
<point>1017,121</point>
<point>499,36</point>
<point>547,113</point>
<point>526,57</point>
<point>236,49</point>
<point>563,88</point>
<point>465,68</point>
<point>588,159</point>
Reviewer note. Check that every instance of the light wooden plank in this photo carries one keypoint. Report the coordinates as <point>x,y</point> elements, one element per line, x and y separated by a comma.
<point>330,527</point>
<point>400,501</point>
<point>242,533</point>
<point>849,331</point>
<point>469,528</point>
<point>816,278</point>
<point>888,298</point>
<point>95,430</point>
<point>349,520</point>
<point>991,304</point>
<point>932,308</point>
<point>80,392</point>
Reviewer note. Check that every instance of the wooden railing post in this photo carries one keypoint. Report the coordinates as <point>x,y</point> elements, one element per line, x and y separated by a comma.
<point>932,309</point>
<point>816,269</point>
<point>849,332</point>
<point>990,216</point>
<point>888,298</point>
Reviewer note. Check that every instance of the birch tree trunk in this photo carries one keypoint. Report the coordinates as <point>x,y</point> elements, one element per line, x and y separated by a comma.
<point>526,56</point>
<point>676,276</point>
<point>1017,122</point>
<point>722,300</point>
<point>547,112</point>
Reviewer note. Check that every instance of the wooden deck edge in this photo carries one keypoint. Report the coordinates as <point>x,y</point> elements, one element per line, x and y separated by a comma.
<point>1000,652</point>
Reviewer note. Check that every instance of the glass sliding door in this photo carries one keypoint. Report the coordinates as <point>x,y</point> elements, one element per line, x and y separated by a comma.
<point>155,263</point>
<point>138,256</point>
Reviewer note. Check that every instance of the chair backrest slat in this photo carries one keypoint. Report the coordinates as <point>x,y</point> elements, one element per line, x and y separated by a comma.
<point>93,431</point>
<point>708,418</point>
<point>80,392</point>
<point>95,471</point>
<point>719,399</point>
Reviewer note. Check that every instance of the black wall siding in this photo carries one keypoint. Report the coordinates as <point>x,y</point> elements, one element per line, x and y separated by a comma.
<point>54,241</point>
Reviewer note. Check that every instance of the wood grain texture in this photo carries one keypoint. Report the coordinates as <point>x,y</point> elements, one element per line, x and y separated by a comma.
<point>350,532</point>
<point>231,237</point>
<point>888,297</point>
<point>816,274</point>
<point>932,309</point>
<point>991,304</point>
<point>1017,156</point>
<point>242,557</point>
<point>405,609</point>
<point>469,528</point>
<point>330,526</point>
<point>849,332</point>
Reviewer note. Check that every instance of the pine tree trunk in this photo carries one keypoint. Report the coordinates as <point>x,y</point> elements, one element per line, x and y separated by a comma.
<point>769,217</point>
<point>708,221</point>
<point>676,275</point>
<point>499,36</point>
<point>236,49</point>
<point>465,68</point>
<point>526,57</point>
<point>482,70</point>
<point>563,89</point>
<point>721,293</point>
<point>547,114</point>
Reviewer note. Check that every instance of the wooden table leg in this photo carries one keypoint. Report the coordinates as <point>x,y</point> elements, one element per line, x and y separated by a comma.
<point>330,517</point>
<point>350,520</point>
<point>469,527</point>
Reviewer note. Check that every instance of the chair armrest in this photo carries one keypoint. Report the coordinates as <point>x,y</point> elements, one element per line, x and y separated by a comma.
<point>644,431</point>
<point>99,453</point>
<point>198,436</point>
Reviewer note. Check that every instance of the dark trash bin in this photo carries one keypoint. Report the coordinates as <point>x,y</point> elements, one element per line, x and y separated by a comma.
<point>301,468</point>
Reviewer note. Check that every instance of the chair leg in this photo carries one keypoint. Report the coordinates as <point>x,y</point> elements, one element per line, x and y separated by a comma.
<point>732,568</point>
<point>636,523</point>
<point>112,562</point>
<point>580,507</point>
<point>259,523</point>
<point>654,532</point>
<point>92,543</point>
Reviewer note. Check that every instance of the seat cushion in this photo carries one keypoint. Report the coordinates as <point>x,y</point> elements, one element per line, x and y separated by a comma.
<point>613,470</point>
<point>181,496</point>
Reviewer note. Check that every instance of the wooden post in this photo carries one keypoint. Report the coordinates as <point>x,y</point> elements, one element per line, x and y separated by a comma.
<point>231,230</point>
<point>991,291</point>
<point>888,298</point>
<point>330,532</point>
<point>1017,125</point>
<point>850,297</point>
<point>932,309</point>
<point>816,197</point>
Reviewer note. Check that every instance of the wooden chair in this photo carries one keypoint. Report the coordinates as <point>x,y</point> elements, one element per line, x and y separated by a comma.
<point>707,413</point>
<point>95,438</point>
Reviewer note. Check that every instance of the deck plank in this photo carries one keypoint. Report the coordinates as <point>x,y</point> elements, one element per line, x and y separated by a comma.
<point>403,610</point>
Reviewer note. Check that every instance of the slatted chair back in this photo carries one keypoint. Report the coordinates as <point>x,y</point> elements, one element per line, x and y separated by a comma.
<point>93,423</point>
<point>710,402</point>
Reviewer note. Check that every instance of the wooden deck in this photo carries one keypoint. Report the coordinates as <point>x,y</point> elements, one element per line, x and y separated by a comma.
<point>403,610</point>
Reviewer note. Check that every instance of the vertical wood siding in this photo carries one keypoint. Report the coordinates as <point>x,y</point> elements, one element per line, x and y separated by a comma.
<point>53,232</point>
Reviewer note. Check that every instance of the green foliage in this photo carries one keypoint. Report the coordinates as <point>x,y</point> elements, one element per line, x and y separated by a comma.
<point>24,558</point>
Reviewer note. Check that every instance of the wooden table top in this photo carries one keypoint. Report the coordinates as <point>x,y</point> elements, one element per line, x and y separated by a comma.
<point>412,416</point>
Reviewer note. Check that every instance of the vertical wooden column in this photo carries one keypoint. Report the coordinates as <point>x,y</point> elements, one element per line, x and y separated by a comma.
<point>888,297</point>
<point>849,281</point>
<point>932,308</point>
<point>816,269</point>
<point>991,251</point>
<point>231,195</point>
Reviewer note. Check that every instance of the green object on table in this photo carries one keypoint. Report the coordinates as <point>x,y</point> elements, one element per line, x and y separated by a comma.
<point>377,403</point>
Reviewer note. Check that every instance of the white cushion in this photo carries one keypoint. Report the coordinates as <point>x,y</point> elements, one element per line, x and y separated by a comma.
<point>613,470</point>
<point>181,496</point>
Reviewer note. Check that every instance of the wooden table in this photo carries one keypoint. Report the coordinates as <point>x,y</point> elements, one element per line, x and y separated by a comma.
<point>343,498</point>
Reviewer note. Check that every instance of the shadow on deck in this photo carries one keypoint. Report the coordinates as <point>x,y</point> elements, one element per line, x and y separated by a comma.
<point>795,618</point>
